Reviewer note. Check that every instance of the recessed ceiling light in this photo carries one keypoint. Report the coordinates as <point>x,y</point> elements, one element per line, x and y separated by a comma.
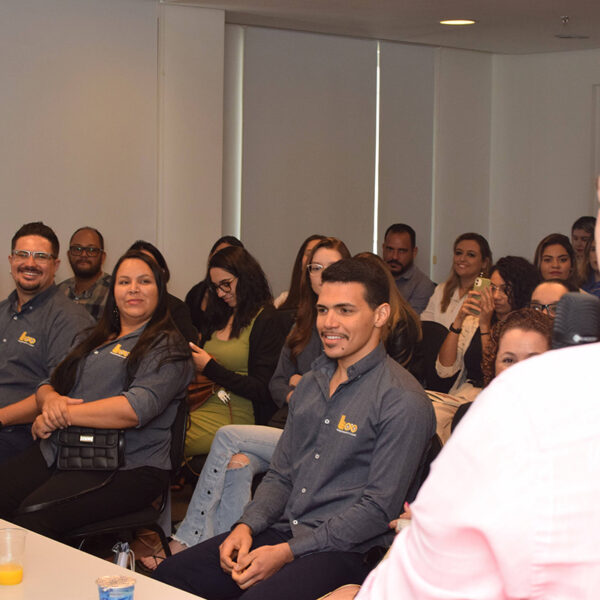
<point>458,22</point>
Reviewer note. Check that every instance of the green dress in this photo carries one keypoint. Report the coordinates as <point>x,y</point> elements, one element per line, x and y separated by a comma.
<point>206,420</point>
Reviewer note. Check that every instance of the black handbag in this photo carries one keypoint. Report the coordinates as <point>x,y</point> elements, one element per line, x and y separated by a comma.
<point>90,449</point>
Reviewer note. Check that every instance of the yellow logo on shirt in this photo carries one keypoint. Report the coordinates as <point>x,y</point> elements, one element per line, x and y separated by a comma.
<point>345,427</point>
<point>27,339</point>
<point>118,351</point>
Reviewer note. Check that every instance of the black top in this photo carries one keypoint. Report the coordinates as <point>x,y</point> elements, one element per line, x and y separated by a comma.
<point>180,314</point>
<point>473,357</point>
<point>193,299</point>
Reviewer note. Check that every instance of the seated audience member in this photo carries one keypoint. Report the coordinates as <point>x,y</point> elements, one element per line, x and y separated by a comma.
<point>127,373</point>
<point>546,295</point>
<point>289,299</point>
<point>555,259</point>
<point>472,258</point>
<point>241,341</point>
<point>178,310</point>
<point>238,452</point>
<point>326,500</point>
<point>402,333</point>
<point>399,250</point>
<point>523,334</point>
<point>89,284</point>
<point>197,297</point>
<point>591,273</point>
<point>512,280</point>
<point>39,325</point>
<point>582,232</point>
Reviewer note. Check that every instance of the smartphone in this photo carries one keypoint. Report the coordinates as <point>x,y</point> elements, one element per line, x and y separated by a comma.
<point>481,283</point>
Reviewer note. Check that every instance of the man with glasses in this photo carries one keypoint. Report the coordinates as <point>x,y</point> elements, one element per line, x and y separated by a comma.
<point>37,327</point>
<point>89,286</point>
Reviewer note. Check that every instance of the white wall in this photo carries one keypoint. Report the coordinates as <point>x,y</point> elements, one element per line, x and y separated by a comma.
<point>308,144</point>
<point>406,150</point>
<point>79,139</point>
<point>113,117</point>
<point>462,151</point>
<point>85,140</point>
<point>190,153</point>
<point>541,162</point>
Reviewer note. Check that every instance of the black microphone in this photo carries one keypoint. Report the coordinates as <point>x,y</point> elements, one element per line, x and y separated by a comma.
<point>577,320</point>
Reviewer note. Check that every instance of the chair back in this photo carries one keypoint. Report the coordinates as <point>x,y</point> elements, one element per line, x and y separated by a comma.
<point>178,430</point>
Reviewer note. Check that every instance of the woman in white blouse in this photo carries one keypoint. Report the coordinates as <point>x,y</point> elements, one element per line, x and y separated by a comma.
<point>472,257</point>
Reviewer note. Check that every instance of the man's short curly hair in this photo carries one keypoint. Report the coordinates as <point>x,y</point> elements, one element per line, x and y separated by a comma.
<point>526,319</point>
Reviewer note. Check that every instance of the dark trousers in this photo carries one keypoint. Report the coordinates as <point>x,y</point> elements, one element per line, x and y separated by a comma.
<point>27,480</point>
<point>13,440</point>
<point>197,570</point>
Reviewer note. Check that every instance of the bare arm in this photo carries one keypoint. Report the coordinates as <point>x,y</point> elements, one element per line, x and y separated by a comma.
<point>448,351</point>
<point>20,412</point>
<point>107,413</point>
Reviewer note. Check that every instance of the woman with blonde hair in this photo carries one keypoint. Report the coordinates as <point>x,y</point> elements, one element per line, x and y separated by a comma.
<point>472,258</point>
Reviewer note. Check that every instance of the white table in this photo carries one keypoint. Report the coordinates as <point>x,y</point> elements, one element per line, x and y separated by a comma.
<point>54,571</point>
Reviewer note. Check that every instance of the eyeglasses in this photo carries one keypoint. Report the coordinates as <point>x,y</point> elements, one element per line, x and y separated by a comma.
<point>503,289</point>
<point>315,268</point>
<point>42,257</point>
<point>89,250</point>
<point>224,286</point>
<point>550,309</point>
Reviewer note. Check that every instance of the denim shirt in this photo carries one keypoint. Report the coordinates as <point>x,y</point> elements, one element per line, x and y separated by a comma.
<point>345,462</point>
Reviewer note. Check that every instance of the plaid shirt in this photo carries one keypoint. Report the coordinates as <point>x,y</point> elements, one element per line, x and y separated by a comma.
<point>92,300</point>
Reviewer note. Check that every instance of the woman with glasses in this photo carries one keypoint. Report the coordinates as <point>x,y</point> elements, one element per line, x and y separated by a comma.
<point>241,338</point>
<point>513,278</point>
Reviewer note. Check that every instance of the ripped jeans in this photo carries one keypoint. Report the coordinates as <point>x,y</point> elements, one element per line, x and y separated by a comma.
<point>221,493</point>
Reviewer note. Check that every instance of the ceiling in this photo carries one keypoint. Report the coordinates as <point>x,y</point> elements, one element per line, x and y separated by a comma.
<point>504,26</point>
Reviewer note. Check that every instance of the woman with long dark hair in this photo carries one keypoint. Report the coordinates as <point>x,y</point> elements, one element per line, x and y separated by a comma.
<point>555,259</point>
<point>127,373</point>
<point>197,298</point>
<point>241,338</point>
<point>472,257</point>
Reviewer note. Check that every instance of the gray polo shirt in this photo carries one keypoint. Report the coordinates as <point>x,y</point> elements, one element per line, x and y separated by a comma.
<point>151,394</point>
<point>415,287</point>
<point>35,339</point>
<point>344,463</point>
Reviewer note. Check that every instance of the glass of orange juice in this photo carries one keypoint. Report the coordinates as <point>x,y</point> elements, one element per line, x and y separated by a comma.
<point>12,551</point>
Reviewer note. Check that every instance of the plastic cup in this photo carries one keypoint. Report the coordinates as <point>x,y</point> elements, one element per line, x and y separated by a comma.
<point>12,552</point>
<point>115,587</point>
